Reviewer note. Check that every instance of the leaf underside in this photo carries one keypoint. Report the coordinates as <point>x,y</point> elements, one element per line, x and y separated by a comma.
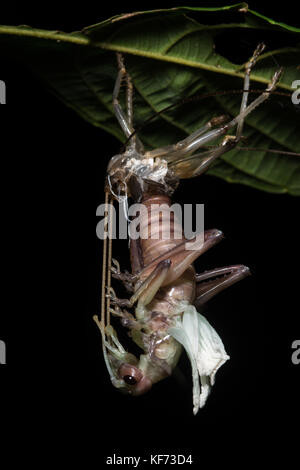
<point>171,56</point>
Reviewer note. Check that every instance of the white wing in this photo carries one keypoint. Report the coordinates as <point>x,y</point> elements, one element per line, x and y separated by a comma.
<point>204,348</point>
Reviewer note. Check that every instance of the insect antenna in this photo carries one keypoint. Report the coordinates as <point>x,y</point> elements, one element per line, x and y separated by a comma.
<point>106,272</point>
<point>280,152</point>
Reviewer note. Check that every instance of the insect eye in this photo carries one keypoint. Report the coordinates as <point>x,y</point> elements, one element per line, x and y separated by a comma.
<point>129,379</point>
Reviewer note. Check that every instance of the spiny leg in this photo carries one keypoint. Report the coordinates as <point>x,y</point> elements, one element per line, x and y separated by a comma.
<point>189,147</point>
<point>190,252</point>
<point>167,268</point>
<point>199,162</point>
<point>125,277</point>
<point>127,319</point>
<point>230,275</point>
<point>134,140</point>
<point>172,152</point>
<point>129,94</point>
<point>250,64</point>
<point>198,139</point>
<point>147,289</point>
<point>125,122</point>
<point>184,170</point>
<point>183,255</point>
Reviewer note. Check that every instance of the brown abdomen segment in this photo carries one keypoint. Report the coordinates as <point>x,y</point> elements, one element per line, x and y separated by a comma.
<point>161,230</point>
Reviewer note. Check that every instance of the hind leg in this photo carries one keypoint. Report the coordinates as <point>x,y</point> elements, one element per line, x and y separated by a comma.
<point>225,277</point>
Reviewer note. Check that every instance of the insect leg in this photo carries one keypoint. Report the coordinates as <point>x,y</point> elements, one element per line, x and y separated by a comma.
<point>125,277</point>
<point>136,264</point>
<point>197,140</point>
<point>199,162</point>
<point>147,289</point>
<point>125,122</point>
<point>172,152</point>
<point>167,268</point>
<point>136,257</point>
<point>190,146</point>
<point>245,96</point>
<point>129,93</point>
<point>230,275</point>
<point>127,319</point>
<point>184,255</point>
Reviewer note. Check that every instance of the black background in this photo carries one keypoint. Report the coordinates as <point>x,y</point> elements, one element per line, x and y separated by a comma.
<point>55,382</point>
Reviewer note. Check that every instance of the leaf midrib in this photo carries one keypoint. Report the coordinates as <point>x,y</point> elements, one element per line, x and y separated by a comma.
<point>80,39</point>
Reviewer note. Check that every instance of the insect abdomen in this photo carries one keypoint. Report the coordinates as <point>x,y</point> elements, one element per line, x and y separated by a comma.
<point>160,231</point>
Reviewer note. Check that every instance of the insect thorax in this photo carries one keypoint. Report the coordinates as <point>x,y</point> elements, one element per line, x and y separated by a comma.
<point>132,174</point>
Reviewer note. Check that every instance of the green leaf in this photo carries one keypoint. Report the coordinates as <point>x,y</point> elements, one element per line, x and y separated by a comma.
<point>171,55</point>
